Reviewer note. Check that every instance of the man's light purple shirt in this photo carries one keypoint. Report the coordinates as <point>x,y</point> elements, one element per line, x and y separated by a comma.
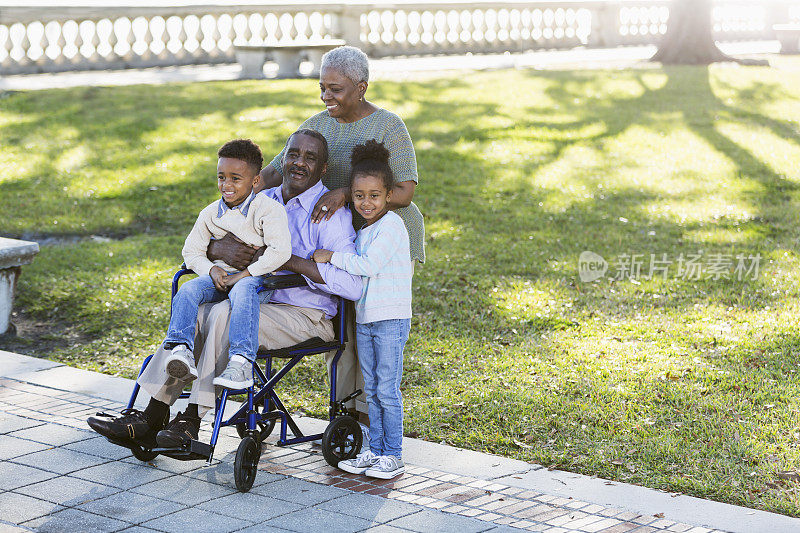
<point>336,234</point>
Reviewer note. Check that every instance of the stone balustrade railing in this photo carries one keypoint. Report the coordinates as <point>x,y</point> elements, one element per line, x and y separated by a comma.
<point>51,39</point>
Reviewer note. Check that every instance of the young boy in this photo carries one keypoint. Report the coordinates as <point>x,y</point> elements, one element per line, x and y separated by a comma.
<point>253,218</point>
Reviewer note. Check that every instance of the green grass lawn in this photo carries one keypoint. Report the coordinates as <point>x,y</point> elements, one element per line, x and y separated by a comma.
<point>683,384</point>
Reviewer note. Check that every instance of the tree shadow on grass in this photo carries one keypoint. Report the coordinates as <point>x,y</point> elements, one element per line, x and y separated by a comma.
<point>74,144</point>
<point>126,133</point>
<point>466,193</point>
<point>499,229</point>
<point>686,98</point>
<point>471,352</point>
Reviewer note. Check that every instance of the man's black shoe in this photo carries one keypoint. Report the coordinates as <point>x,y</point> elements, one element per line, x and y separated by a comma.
<point>179,431</point>
<point>130,426</point>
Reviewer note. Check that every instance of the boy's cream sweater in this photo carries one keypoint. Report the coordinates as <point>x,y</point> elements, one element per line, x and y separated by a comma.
<point>264,224</point>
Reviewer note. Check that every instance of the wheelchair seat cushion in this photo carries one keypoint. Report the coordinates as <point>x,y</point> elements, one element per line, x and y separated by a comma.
<point>314,343</point>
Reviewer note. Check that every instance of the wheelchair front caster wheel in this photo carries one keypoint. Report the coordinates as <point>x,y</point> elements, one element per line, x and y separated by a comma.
<point>264,429</point>
<point>143,454</point>
<point>246,463</point>
<point>341,440</point>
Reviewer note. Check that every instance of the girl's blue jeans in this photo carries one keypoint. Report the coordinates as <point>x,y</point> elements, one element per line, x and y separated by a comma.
<point>244,301</point>
<point>380,353</point>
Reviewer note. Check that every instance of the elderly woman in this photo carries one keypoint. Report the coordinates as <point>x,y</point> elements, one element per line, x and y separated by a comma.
<point>350,119</point>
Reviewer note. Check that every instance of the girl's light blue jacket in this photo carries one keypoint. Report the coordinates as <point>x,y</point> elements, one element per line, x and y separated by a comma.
<point>383,259</point>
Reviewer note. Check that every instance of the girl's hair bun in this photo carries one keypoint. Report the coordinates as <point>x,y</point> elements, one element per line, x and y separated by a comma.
<point>371,150</point>
<point>372,158</point>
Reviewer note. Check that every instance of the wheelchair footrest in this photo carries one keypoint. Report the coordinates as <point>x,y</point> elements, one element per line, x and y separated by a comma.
<point>193,450</point>
<point>130,444</point>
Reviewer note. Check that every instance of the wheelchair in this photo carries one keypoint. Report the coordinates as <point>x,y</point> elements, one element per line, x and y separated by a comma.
<point>257,417</point>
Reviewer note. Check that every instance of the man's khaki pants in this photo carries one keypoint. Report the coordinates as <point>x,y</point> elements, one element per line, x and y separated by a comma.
<point>279,326</point>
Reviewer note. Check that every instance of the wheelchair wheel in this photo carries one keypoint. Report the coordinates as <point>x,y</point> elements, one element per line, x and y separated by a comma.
<point>246,463</point>
<point>143,454</point>
<point>341,440</point>
<point>264,429</point>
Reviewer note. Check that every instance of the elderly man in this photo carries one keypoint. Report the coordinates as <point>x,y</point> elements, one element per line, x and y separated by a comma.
<point>292,315</point>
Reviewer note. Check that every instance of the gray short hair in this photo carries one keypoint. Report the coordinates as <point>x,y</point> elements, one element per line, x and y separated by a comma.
<point>349,61</point>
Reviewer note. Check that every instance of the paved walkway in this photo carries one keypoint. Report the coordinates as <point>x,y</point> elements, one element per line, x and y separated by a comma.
<point>380,69</point>
<point>56,475</point>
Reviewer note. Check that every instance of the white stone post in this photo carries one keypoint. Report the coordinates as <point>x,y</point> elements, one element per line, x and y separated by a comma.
<point>288,62</point>
<point>605,26</point>
<point>252,61</point>
<point>13,254</point>
<point>347,26</point>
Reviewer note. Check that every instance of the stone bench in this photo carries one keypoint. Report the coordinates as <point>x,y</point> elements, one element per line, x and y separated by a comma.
<point>789,36</point>
<point>287,55</point>
<point>13,254</point>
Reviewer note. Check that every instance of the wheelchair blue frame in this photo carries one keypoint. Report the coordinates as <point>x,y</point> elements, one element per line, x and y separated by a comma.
<point>248,415</point>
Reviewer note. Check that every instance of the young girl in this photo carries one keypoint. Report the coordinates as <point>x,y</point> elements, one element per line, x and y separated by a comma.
<point>383,313</point>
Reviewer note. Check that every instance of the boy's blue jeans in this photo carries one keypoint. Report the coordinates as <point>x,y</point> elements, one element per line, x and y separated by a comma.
<point>380,353</point>
<point>243,331</point>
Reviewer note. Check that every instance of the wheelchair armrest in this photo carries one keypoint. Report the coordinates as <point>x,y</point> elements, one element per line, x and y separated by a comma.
<point>270,283</point>
<point>284,282</point>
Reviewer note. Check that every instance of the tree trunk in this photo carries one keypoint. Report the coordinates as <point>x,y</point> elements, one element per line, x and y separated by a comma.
<point>689,39</point>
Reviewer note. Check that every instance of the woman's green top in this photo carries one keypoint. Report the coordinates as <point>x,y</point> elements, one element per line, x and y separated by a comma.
<point>382,126</point>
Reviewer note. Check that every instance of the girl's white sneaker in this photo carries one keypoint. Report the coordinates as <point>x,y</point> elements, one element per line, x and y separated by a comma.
<point>386,467</point>
<point>360,463</point>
